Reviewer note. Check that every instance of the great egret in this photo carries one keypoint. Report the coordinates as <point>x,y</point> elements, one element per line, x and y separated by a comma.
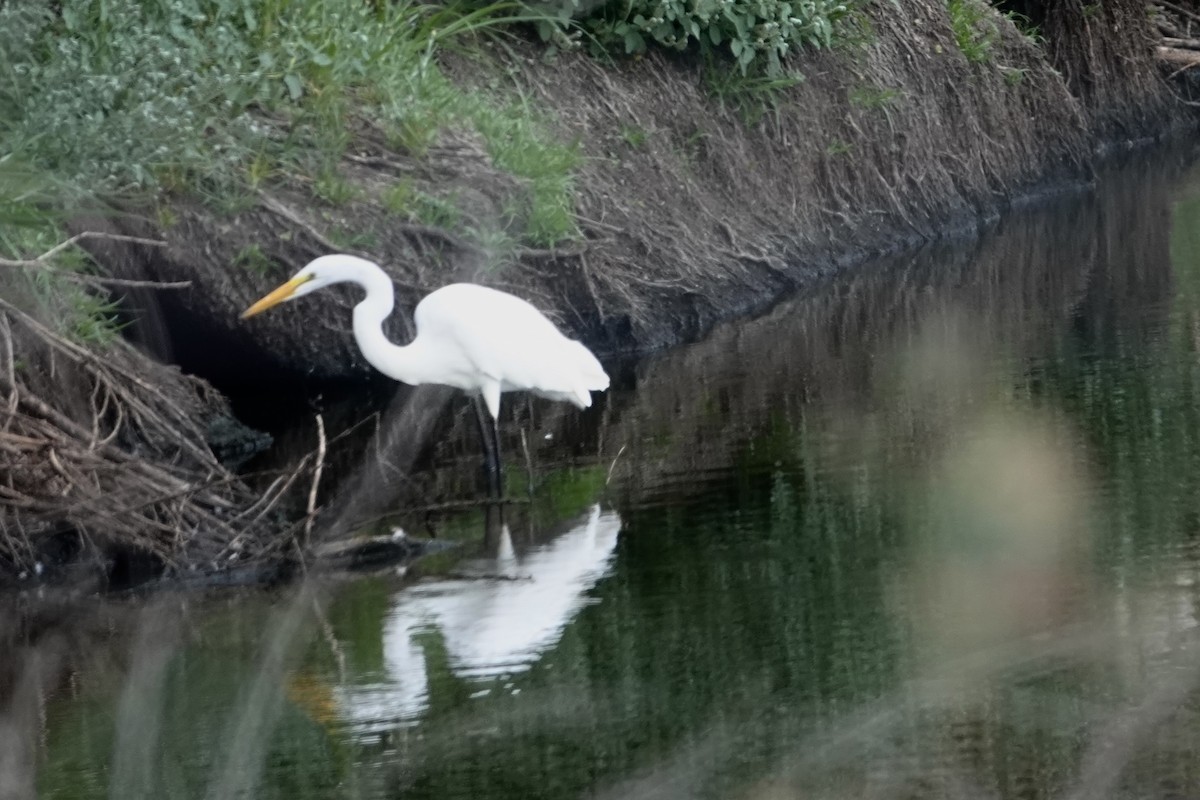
<point>471,337</point>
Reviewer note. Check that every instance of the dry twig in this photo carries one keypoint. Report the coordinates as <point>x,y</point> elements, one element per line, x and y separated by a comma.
<point>120,461</point>
<point>42,263</point>
<point>316,482</point>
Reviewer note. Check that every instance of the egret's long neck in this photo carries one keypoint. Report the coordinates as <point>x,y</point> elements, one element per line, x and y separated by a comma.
<point>400,363</point>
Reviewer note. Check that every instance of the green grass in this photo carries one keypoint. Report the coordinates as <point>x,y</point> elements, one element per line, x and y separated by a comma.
<point>66,305</point>
<point>333,188</point>
<point>634,136</point>
<point>753,95</point>
<point>873,97</point>
<point>839,148</point>
<point>1014,76</point>
<point>215,96</point>
<point>517,145</point>
<point>252,257</point>
<point>1026,27</point>
<point>435,211</point>
<point>974,28</point>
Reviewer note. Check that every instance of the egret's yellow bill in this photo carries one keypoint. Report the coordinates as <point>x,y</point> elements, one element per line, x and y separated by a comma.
<point>277,296</point>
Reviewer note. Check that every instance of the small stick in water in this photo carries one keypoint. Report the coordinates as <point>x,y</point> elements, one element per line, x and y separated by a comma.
<point>312,492</point>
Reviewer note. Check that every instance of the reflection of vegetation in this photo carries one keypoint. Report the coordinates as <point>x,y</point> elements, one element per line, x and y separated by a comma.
<point>204,690</point>
<point>762,596</point>
<point>764,616</point>
<point>1136,394</point>
<point>562,494</point>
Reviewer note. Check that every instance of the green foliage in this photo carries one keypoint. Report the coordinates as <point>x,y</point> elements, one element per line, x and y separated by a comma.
<point>67,306</point>
<point>131,89</point>
<point>435,211</point>
<point>752,95</point>
<point>1026,27</point>
<point>633,135</point>
<point>872,97</point>
<point>551,215</point>
<point>254,259</point>
<point>974,26</point>
<point>93,320</point>
<point>758,34</point>
<point>399,197</point>
<point>28,228</point>
<point>516,146</point>
<point>348,239</point>
<point>839,148</point>
<point>216,95</point>
<point>333,188</point>
<point>1014,76</point>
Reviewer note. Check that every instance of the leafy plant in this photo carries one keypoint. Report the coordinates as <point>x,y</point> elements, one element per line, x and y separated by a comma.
<point>1013,76</point>
<point>974,28</point>
<point>547,167</point>
<point>551,213</point>
<point>838,148</point>
<point>434,210</point>
<point>752,95</point>
<point>758,34</point>
<point>873,96</point>
<point>333,188</point>
<point>399,197</point>
<point>634,136</point>
<point>213,96</point>
<point>1028,28</point>
<point>254,259</point>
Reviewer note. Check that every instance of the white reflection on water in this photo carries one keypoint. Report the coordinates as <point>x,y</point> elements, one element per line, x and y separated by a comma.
<point>490,626</point>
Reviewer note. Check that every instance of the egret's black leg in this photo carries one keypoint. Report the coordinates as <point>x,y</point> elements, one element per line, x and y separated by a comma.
<point>493,527</point>
<point>496,469</point>
<point>491,448</point>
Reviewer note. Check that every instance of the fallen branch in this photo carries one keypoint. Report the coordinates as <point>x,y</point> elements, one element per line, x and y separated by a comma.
<point>1181,44</point>
<point>310,517</point>
<point>1183,59</point>
<point>42,262</point>
<point>1180,10</point>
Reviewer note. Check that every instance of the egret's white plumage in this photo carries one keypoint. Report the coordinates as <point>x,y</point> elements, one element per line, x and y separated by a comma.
<point>498,622</point>
<point>471,337</point>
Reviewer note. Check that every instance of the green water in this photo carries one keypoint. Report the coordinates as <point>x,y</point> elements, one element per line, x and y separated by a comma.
<point>928,531</point>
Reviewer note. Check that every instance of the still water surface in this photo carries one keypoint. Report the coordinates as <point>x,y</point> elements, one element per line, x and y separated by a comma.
<point>930,531</point>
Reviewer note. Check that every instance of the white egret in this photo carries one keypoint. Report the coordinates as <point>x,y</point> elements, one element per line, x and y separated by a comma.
<point>470,337</point>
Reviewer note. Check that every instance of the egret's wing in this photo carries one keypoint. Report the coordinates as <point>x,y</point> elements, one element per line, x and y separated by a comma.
<point>508,340</point>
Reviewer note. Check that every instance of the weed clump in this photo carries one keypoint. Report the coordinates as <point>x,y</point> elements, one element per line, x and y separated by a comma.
<point>214,96</point>
<point>758,34</point>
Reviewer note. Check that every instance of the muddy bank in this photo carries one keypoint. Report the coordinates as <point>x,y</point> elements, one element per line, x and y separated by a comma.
<point>691,207</point>
<point>1029,282</point>
<point>110,461</point>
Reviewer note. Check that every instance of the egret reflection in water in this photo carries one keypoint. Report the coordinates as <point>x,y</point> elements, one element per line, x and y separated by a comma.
<point>490,626</point>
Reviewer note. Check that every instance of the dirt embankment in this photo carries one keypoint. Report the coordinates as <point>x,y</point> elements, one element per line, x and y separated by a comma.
<point>691,208</point>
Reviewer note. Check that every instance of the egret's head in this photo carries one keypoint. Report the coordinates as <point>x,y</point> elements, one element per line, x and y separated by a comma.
<point>318,274</point>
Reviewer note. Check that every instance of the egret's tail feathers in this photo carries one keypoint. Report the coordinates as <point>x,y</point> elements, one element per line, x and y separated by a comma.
<point>579,375</point>
<point>593,375</point>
